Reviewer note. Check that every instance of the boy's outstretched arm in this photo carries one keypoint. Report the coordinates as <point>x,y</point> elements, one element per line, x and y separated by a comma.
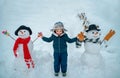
<point>45,38</point>
<point>70,40</point>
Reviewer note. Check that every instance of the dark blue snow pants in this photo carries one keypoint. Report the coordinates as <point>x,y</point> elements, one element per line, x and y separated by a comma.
<point>60,62</point>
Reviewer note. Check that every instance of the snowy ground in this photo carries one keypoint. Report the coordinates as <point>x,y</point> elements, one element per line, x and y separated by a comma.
<point>40,15</point>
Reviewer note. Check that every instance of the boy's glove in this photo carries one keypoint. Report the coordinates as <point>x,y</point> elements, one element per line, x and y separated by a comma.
<point>40,34</point>
<point>80,36</point>
<point>109,35</point>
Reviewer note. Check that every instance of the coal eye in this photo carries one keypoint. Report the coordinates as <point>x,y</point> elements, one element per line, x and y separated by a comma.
<point>24,31</point>
<point>92,32</point>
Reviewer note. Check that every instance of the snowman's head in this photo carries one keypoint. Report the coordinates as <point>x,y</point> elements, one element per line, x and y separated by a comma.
<point>23,31</point>
<point>93,32</point>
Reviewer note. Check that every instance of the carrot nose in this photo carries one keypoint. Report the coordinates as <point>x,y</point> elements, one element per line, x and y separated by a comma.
<point>21,32</point>
<point>96,33</point>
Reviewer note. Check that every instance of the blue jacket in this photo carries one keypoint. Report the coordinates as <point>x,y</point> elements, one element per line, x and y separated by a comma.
<point>60,42</point>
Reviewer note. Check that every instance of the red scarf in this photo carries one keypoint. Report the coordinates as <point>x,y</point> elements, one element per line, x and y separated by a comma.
<point>25,47</point>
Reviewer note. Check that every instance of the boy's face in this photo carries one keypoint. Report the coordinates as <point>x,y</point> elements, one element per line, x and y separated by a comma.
<point>59,31</point>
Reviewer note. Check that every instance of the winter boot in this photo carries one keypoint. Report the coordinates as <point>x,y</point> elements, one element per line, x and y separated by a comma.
<point>56,74</point>
<point>64,74</point>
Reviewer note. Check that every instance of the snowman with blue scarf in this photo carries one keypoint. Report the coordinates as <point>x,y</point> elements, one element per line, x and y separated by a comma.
<point>91,58</point>
<point>92,61</point>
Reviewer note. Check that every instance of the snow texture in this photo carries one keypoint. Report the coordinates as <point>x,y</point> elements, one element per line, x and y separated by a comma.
<point>40,16</point>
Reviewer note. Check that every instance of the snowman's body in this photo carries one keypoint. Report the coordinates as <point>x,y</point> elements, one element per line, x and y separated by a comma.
<point>92,58</point>
<point>23,47</point>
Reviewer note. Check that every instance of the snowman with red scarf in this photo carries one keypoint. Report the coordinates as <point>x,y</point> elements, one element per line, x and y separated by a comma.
<point>23,45</point>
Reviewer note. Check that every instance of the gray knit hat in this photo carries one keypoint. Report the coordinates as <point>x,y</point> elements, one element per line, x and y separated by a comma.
<point>58,25</point>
